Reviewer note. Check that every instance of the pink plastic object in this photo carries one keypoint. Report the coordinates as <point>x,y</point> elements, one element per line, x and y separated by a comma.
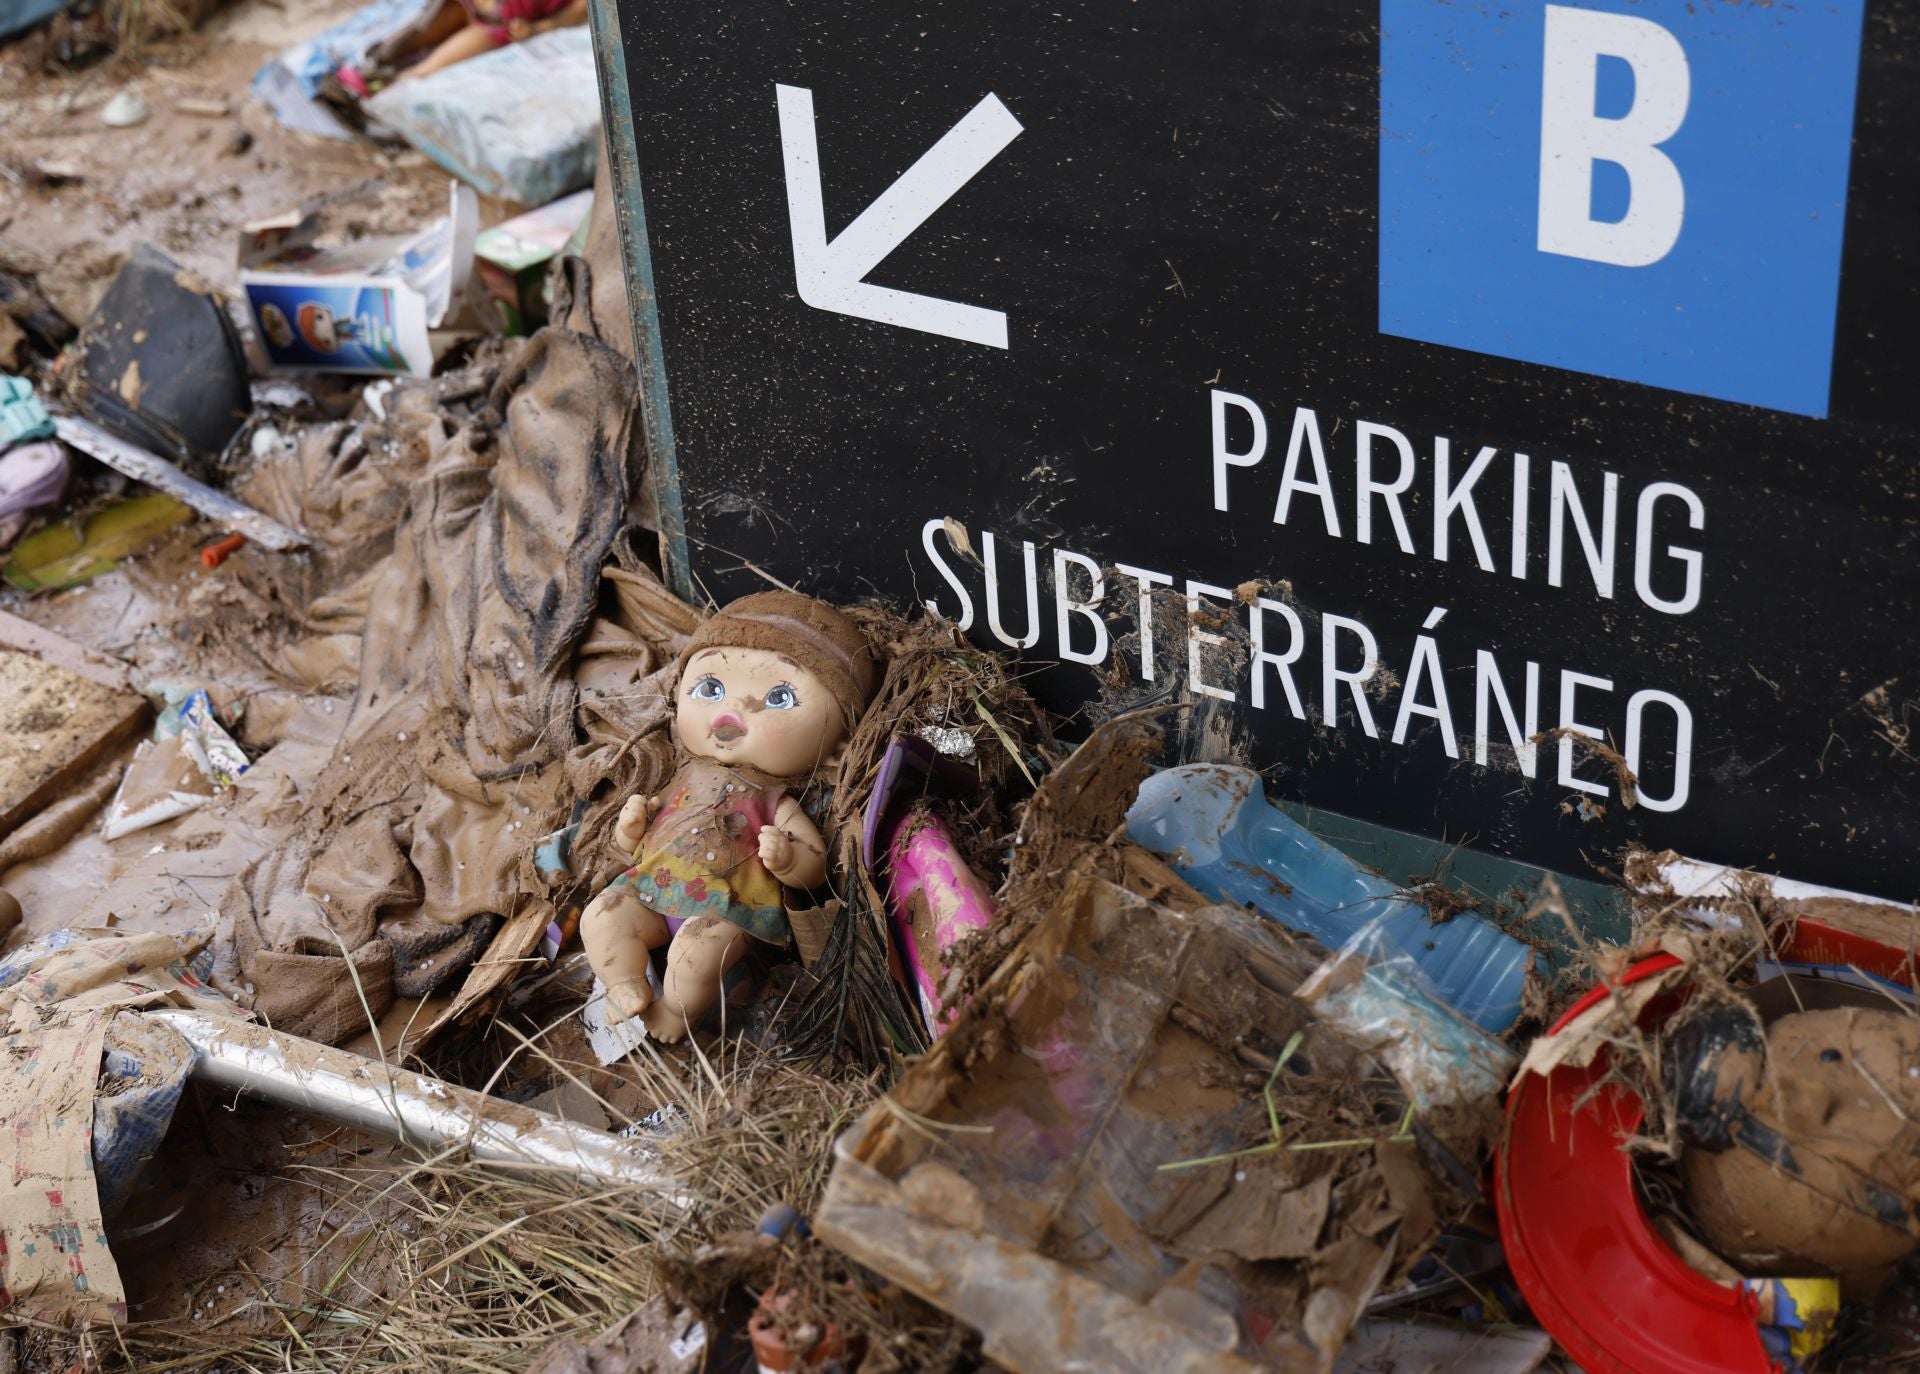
<point>1595,1272</point>
<point>936,899</point>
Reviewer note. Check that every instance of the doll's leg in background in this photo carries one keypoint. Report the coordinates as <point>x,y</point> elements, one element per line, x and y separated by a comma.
<point>697,962</point>
<point>620,933</point>
<point>469,41</point>
<point>448,20</point>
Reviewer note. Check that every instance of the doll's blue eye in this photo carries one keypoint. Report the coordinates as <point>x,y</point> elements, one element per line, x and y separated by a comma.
<point>782,698</point>
<point>708,688</point>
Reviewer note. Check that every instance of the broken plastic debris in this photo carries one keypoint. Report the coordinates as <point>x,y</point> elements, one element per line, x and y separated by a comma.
<point>22,416</point>
<point>936,901</point>
<point>1440,1059</point>
<point>156,471</point>
<point>190,759</point>
<point>1119,1031</point>
<point>61,555</point>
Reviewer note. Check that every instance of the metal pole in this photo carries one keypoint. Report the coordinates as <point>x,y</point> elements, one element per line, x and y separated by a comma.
<point>420,1111</point>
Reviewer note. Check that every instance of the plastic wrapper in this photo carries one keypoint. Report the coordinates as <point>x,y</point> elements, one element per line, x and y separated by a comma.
<point>1797,1317</point>
<point>1374,992</point>
<point>190,760</point>
<point>1068,1168</point>
<point>289,84</point>
<point>142,1075</point>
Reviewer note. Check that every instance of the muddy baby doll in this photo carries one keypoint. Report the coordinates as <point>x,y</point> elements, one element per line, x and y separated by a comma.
<point>769,690</point>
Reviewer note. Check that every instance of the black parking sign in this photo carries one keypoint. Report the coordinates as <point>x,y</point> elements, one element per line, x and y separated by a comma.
<point>1434,389</point>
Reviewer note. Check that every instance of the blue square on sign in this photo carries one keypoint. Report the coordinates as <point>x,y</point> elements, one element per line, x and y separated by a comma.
<point>1653,190</point>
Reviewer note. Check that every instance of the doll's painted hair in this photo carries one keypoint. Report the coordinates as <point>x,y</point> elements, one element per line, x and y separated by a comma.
<point>823,640</point>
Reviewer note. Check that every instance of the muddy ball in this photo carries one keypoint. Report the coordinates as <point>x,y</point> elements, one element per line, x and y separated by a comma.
<point>1837,1107</point>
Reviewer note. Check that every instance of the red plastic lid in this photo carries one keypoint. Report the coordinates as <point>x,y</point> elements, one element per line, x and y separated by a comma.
<point>1597,1275</point>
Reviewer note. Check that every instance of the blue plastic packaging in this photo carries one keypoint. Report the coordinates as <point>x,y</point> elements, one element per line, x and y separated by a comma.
<point>1214,825</point>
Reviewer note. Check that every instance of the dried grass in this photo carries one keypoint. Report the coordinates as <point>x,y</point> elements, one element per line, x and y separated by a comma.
<point>460,1268</point>
<point>138,23</point>
<point>939,687</point>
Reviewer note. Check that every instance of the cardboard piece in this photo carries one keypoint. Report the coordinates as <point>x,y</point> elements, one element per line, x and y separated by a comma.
<point>515,260</point>
<point>26,637</point>
<point>363,307</point>
<point>60,992</point>
<point>55,724</point>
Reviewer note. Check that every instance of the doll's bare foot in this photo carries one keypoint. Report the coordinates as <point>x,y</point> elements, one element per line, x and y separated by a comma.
<point>629,999</point>
<point>665,1023</point>
<point>620,933</point>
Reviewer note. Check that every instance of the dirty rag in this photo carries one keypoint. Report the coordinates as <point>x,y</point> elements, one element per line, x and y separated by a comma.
<point>506,666</point>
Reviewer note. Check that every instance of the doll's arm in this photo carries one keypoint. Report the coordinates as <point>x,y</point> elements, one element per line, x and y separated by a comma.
<point>791,847</point>
<point>631,828</point>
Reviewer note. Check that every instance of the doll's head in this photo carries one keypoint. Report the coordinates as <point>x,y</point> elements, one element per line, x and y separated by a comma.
<point>773,682</point>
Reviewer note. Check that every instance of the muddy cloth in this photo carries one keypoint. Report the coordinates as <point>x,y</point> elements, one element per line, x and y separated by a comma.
<point>590,297</point>
<point>467,740</point>
<point>605,292</point>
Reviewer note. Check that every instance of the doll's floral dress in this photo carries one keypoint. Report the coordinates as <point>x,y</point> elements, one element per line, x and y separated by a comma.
<point>701,855</point>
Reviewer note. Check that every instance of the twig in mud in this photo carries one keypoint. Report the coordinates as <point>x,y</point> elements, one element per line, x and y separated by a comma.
<point>1401,1135</point>
<point>1624,776</point>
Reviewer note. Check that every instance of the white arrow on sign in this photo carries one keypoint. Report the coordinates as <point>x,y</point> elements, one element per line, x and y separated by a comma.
<point>830,275</point>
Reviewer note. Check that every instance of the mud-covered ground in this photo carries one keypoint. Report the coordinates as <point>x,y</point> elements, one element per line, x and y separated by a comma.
<point>183,181</point>
<point>232,1207</point>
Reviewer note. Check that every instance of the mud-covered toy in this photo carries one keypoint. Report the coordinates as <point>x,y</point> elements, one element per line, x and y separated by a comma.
<point>768,691</point>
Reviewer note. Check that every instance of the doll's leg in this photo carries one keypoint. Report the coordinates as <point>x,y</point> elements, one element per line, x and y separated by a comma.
<point>698,960</point>
<point>467,42</point>
<point>620,933</point>
<point>448,20</point>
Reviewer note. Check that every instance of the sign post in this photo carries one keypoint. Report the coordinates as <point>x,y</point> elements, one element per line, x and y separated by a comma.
<point>1503,420</point>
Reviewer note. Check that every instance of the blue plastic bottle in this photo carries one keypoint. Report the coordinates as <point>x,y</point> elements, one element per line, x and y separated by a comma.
<point>1214,825</point>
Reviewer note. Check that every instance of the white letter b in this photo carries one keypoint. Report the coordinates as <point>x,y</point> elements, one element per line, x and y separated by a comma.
<point>1573,137</point>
